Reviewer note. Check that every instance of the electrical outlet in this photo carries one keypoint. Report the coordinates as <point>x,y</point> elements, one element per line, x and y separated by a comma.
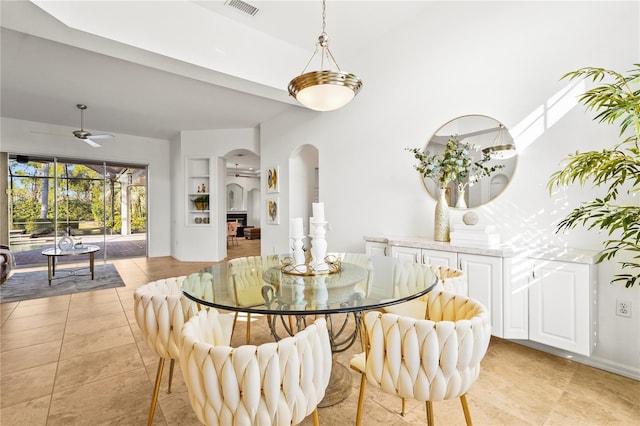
<point>623,308</point>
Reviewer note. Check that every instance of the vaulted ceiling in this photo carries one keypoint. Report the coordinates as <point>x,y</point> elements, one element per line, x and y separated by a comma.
<point>155,68</point>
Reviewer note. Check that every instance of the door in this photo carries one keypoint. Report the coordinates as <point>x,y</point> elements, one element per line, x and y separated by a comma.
<point>407,254</point>
<point>440,258</point>
<point>517,278</point>
<point>559,306</point>
<point>484,281</point>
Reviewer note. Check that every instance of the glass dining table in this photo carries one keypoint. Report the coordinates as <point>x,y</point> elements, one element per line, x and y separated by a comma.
<point>260,285</point>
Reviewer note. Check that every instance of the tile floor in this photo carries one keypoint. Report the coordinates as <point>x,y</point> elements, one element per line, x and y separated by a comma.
<point>80,360</point>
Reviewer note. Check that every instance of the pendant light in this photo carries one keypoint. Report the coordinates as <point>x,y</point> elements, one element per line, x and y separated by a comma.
<point>501,150</point>
<point>326,89</point>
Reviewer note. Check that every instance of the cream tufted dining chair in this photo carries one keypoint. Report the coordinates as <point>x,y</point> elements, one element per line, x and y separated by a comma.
<point>245,283</point>
<point>449,279</point>
<point>426,359</point>
<point>161,311</point>
<point>273,383</point>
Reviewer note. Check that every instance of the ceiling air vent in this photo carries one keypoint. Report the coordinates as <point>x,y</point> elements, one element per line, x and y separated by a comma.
<point>242,6</point>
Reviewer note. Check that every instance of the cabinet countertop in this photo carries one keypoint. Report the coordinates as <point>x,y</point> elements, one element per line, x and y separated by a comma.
<point>564,254</point>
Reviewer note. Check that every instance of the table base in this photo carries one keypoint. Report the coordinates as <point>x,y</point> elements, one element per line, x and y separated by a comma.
<point>51,267</point>
<point>339,386</point>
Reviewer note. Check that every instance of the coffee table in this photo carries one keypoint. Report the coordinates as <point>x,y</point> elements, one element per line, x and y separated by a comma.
<point>53,253</point>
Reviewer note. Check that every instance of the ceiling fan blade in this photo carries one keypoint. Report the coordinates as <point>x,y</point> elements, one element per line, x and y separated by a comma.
<point>100,136</point>
<point>90,142</point>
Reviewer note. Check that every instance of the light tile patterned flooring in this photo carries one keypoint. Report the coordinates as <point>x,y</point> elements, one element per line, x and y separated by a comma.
<point>80,360</point>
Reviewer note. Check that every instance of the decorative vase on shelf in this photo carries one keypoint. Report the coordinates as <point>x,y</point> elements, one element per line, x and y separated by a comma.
<point>441,219</point>
<point>460,202</point>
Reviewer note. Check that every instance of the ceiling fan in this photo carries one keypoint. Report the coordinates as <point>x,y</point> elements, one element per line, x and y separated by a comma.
<point>86,136</point>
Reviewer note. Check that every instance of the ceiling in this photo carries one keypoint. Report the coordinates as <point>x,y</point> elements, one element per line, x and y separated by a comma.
<point>141,87</point>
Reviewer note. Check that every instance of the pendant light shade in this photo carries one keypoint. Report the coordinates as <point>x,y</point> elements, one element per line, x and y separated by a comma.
<point>324,90</point>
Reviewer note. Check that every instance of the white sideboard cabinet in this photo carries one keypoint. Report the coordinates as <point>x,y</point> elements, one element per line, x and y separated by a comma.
<point>546,295</point>
<point>483,275</point>
<point>559,301</point>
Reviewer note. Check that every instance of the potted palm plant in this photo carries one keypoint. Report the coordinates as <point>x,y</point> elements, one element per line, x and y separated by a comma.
<point>617,100</point>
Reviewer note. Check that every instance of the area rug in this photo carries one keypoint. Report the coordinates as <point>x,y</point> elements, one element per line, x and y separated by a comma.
<point>34,284</point>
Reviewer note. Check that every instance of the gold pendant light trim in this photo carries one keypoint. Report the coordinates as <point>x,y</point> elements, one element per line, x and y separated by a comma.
<point>313,78</point>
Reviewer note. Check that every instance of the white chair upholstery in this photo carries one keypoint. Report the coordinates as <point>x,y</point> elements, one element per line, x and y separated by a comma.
<point>449,279</point>
<point>277,383</point>
<point>426,359</point>
<point>161,311</point>
<point>245,283</point>
<point>361,260</point>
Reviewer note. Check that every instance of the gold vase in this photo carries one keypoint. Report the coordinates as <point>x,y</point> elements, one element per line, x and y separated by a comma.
<point>441,219</point>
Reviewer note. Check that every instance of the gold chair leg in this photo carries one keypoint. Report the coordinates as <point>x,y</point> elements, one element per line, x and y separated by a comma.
<point>316,420</point>
<point>363,382</point>
<point>235,320</point>
<point>403,412</point>
<point>171,365</point>
<point>430,413</point>
<point>156,390</point>
<point>465,408</point>
<point>248,337</point>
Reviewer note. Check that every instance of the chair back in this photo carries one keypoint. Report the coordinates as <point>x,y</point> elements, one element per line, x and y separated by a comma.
<point>428,359</point>
<point>245,281</point>
<point>161,310</point>
<point>451,280</point>
<point>232,229</point>
<point>273,383</point>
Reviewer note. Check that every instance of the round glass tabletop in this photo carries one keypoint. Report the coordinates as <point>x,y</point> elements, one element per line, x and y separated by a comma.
<point>258,285</point>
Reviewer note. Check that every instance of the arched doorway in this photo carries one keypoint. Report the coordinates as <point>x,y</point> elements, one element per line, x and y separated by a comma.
<point>242,200</point>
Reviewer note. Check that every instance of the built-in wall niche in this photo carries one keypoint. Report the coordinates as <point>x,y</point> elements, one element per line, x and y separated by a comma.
<point>198,186</point>
<point>235,197</point>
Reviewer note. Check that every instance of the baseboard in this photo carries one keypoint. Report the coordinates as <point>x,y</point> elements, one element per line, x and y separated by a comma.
<point>592,361</point>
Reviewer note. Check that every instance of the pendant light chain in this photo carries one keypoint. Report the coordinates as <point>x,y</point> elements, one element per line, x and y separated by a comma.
<point>324,16</point>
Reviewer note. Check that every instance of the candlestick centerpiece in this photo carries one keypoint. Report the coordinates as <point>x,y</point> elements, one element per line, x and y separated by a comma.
<point>319,263</point>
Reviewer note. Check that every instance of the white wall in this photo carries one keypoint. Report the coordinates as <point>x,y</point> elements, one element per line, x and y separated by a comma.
<point>502,59</point>
<point>18,137</point>
<point>205,244</point>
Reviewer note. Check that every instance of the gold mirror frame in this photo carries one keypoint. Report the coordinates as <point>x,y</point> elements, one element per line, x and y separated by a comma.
<point>478,130</point>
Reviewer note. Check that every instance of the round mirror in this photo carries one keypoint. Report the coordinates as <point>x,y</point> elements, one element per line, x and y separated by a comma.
<point>235,198</point>
<point>490,159</point>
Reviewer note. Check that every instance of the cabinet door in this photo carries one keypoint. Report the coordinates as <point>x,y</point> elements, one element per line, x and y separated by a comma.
<point>408,254</point>
<point>484,279</point>
<point>559,306</point>
<point>515,313</point>
<point>374,248</point>
<point>439,258</point>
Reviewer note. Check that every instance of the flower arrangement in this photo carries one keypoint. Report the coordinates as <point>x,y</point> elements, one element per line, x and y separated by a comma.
<point>455,164</point>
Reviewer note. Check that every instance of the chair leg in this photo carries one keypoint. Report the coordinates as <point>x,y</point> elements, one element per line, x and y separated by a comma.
<point>235,319</point>
<point>248,336</point>
<point>363,382</point>
<point>171,365</point>
<point>430,413</point>
<point>465,408</point>
<point>156,390</point>
<point>316,420</point>
<point>403,412</point>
